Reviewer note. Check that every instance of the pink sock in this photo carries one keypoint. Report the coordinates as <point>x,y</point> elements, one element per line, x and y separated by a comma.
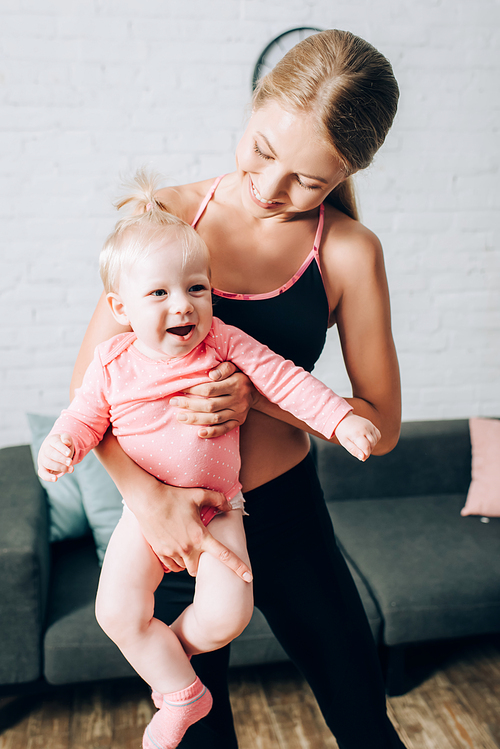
<point>157,697</point>
<point>178,711</point>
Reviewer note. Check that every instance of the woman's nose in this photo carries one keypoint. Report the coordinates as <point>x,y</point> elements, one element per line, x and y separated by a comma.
<point>271,183</point>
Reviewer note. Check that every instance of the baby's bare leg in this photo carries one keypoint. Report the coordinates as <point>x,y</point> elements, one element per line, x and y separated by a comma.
<point>223,603</point>
<point>130,574</point>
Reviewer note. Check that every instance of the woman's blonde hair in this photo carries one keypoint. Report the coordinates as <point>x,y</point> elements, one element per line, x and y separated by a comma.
<point>351,88</point>
<point>144,230</point>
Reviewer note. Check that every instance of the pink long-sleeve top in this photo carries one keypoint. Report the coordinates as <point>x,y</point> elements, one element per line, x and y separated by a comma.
<point>124,387</point>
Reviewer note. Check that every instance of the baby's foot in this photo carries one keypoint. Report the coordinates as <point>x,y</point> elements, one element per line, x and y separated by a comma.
<point>178,711</point>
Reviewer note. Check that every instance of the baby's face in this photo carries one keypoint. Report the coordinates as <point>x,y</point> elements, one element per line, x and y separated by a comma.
<point>168,301</point>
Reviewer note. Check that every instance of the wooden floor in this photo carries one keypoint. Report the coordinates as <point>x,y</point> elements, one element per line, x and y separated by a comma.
<point>455,704</point>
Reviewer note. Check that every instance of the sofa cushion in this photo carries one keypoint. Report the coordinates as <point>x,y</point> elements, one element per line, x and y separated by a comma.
<point>432,457</point>
<point>483,497</point>
<point>75,647</point>
<point>433,573</point>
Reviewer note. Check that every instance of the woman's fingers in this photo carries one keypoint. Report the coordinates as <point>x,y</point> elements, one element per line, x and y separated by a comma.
<point>218,407</point>
<point>176,532</point>
<point>212,424</point>
<point>207,409</point>
<point>210,545</point>
<point>227,557</point>
<point>223,371</point>
<point>169,563</point>
<point>217,431</point>
<point>208,498</point>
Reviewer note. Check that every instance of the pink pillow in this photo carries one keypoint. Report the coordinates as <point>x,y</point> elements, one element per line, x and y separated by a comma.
<point>484,490</point>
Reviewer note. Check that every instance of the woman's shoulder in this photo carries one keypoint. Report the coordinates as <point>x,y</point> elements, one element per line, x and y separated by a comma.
<point>348,243</point>
<point>184,200</point>
<point>351,259</point>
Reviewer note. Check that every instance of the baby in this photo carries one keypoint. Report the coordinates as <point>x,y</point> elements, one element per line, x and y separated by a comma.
<point>155,270</point>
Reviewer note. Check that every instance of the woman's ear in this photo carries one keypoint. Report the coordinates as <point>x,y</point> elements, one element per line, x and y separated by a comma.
<point>117,308</point>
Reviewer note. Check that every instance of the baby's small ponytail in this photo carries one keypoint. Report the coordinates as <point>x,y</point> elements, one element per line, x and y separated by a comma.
<point>142,229</point>
<point>140,194</point>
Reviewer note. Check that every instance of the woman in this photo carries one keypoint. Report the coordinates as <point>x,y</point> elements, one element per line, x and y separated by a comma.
<point>289,259</point>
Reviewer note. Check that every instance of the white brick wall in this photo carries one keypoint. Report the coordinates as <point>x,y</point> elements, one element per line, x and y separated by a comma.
<point>92,89</point>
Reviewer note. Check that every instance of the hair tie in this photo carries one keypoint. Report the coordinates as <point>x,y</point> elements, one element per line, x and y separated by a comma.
<point>148,207</point>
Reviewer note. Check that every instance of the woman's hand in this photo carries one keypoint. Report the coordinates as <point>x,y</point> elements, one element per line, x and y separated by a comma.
<point>220,405</point>
<point>169,516</point>
<point>170,522</point>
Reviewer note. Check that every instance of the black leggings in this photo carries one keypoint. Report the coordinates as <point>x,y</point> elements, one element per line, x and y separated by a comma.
<point>306,592</point>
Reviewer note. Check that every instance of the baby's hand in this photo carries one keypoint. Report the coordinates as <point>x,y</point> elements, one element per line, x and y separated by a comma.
<point>56,456</point>
<point>358,435</point>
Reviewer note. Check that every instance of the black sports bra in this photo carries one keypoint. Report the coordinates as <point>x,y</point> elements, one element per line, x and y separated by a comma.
<point>292,320</point>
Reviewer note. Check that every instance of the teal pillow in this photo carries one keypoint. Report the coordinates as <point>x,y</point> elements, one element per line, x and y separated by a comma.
<point>101,500</point>
<point>79,501</point>
<point>67,518</point>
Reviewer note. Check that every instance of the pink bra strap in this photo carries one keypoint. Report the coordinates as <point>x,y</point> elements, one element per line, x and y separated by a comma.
<point>317,242</point>
<point>319,230</point>
<point>313,256</point>
<point>206,200</point>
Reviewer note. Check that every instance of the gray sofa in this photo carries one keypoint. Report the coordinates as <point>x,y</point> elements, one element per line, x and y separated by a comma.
<point>424,573</point>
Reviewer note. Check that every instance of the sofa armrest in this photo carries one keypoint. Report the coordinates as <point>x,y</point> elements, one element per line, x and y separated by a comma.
<point>24,566</point>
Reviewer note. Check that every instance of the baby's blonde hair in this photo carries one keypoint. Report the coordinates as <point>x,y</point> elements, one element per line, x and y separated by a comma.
<point>138,235</point>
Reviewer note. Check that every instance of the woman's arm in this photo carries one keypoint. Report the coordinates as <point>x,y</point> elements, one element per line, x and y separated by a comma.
<point>356,283</point>
<point>169,516</point>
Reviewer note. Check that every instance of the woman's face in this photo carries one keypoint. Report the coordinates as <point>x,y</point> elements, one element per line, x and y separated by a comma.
<point>284,166</point>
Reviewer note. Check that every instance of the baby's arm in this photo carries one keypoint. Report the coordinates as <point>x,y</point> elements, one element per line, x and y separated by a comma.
<point>55,457</point>
<point>78,429</point>
<point>298,392</point>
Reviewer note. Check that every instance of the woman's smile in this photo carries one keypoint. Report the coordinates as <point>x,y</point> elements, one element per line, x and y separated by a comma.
<point>262,201</point>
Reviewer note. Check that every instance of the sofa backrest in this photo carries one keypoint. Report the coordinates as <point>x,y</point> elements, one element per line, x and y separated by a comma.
<point>431,457</point>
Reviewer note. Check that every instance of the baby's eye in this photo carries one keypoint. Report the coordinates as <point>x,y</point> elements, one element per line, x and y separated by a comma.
<point>197,287</point>
<point>159,292</point>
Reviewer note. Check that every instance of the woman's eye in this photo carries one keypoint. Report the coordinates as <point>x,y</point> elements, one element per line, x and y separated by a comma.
<point>260,153</point>
<point>159,292</point>
<point>303,184</point>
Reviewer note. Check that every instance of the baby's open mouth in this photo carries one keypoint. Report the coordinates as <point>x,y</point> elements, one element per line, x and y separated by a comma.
<point>181,330</point>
